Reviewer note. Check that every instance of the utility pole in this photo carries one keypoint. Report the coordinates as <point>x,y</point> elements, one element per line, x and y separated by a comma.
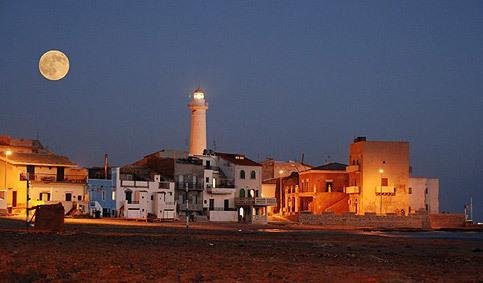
<point>471,209</point>
<point>27,201</point>
<point>187,209</point>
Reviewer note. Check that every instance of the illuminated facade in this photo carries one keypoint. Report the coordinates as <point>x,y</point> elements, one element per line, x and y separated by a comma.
<point>198,107</point>
<point>52,178</point>
<point>318,190</point>
<point>378,177</point>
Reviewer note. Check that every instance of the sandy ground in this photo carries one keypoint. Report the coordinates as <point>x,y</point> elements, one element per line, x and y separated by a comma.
<point>113,250</point>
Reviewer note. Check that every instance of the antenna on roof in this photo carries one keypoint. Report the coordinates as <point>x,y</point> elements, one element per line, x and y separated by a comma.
<point>302,158</point>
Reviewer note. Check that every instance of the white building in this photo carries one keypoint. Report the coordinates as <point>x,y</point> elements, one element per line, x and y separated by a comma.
<point>137,199</point>
<point>219,191</point>
<point>423,194</point>
<point>247,175</point>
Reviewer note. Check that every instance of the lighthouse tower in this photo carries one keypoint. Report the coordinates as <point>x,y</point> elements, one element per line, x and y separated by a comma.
<point>198,106</point>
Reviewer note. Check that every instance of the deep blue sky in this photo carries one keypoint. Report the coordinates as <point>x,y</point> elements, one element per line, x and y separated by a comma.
<point>282,78</point>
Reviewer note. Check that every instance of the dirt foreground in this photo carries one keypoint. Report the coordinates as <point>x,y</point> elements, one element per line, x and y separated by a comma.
<point>98,250</point>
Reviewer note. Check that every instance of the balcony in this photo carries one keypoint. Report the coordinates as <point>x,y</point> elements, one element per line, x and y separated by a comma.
<point>191,207</point>
<point>352,168</point>
<point>191,186</point>
<point>220,190</point>
<point>352,190</point>
<point>255,201</point>
<point>385,190</point>
<point>53,178</point>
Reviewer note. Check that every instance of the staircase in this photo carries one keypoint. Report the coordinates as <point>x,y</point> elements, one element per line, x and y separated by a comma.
<point>334,202</point>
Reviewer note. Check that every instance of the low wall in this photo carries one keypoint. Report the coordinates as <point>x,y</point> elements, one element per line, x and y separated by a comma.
<point>369,220</point>
<point>418,221</point>
<point>223,216</point>
<point>442,221</point>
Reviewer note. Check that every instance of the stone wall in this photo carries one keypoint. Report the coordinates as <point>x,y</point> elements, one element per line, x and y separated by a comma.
<point>369,220</point>
<point>442,221</point>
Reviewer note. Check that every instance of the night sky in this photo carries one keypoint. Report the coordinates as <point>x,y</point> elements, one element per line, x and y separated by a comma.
<point>282,78</point>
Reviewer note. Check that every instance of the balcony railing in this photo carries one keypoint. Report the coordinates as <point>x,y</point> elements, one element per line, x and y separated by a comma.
<point>53,178</point>
<point>385,190</point>
<point>220,191</point>
<point>191,207</point>
<point>191,186</point>
<point>256,201</point>
<point>352,190</point>
<point>221,185</point>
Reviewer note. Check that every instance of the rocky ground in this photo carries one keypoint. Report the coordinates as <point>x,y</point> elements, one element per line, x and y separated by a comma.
<point>95,250</point>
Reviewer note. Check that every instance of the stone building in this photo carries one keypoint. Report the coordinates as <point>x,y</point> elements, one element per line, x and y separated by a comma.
<point>378,177</point>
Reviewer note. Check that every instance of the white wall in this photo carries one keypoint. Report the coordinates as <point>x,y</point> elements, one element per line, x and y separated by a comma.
<point>418,199</point>
<point>248,183</point>
<point>223,216</point>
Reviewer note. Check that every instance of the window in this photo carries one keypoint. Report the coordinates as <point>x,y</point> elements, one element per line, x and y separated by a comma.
<point>79,197</point>
<point>103,195</point>
<point>256,193</point>
<point>2,195</point>
<point>328,187</point>
<point>60,174</point>
<point>128,196</point>
<point>113,195</point>
<point>212,204</point>
<point>253,175</point>
<point>242,174</point>
<point>410,191</point>
<point>242,193</point>
<point>207,180</point>
<point>68,196</point>
<point>226,204</point>
<point>384,182</point>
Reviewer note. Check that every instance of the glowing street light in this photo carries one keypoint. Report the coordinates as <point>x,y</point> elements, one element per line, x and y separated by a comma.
<point>380,193</point>
<point>280,192</point>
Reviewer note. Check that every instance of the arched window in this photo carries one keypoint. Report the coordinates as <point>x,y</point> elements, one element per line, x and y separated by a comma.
<point>242,193</point>
<point>251,193</point>
<point>242,174</point>
<point>253,175</point>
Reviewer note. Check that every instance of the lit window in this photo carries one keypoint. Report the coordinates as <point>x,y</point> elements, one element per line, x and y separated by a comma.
<point>113,195</point>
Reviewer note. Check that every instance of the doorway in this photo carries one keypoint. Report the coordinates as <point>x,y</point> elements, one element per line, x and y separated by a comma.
<point>14,198</point>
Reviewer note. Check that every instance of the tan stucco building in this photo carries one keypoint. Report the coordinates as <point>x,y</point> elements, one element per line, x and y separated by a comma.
<point>53,178</point>
<point>378,177</point>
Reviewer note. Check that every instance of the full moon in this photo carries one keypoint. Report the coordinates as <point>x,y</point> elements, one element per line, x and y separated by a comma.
<point>54,65</point>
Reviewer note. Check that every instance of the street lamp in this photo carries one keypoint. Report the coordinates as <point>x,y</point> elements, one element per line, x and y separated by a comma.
<point>280,191</point>
<point>380,193</point>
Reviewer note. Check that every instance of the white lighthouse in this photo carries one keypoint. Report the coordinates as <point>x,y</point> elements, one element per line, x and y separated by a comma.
<point>198,106</point>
